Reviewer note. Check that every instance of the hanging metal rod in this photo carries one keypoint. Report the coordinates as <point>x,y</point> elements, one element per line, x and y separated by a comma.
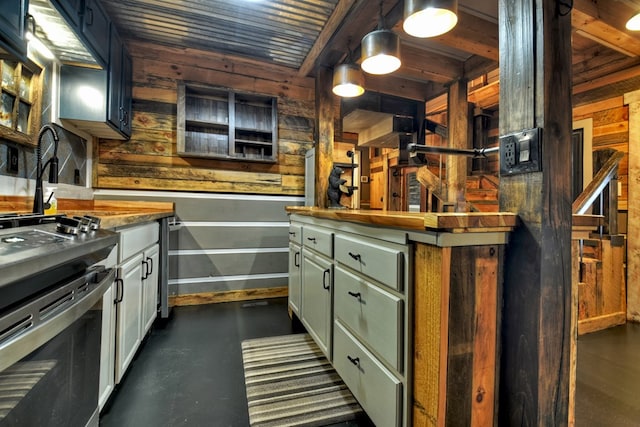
<point>414,148</point>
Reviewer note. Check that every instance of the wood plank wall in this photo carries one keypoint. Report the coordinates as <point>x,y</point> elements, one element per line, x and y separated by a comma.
<point>610,130</point>
<point>149,161</point>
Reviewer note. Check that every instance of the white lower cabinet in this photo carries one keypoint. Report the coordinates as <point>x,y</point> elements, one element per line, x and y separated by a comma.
<point>317,291</point>
<point>106,382</point>
<point>355,303</point>
<point>129,302</point>
<point>150,265</point>
<point>295,269</point>
<point>136,298</point>
<point>378,391</point>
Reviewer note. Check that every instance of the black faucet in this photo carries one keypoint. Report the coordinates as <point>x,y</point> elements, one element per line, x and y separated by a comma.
<point>38,202</point>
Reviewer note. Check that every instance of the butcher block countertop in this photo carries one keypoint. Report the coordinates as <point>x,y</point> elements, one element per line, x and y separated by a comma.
<point>476,222</point>
<point>112,213</point>
<point>116,213</point>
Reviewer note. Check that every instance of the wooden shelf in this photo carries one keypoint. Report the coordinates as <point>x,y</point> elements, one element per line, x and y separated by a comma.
<point>249,142</point>
<point>207,114</point>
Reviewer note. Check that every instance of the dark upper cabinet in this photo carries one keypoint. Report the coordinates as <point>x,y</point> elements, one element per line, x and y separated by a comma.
<point>120,74</point>
<point>71,10</point>
<point>12,22</point>
<point>99,101</point>
<point>95,28</point>
<point>90,22</point>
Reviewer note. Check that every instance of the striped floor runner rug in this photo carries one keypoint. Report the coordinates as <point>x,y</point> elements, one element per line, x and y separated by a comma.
<point>290,383</point>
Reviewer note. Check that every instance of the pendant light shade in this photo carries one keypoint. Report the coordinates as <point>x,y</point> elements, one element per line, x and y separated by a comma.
<point>429,18</point>
<point>633,24</point>
<point>348,81</point>
<point>380,52</point>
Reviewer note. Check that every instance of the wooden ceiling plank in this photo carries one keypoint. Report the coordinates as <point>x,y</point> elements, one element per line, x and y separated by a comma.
<point>419,64</point>
<point>335,20</point>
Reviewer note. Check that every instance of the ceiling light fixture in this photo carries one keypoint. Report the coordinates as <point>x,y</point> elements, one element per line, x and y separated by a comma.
<point>380,50</point>
<point>633,23</point>
<point>429,18</point>
<point>348,81</point>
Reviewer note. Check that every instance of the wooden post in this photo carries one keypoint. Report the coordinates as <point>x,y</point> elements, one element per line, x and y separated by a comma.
<point>325,114</point>
<point>458,138</point>
<point>535,92</point>
<point>633,228</point>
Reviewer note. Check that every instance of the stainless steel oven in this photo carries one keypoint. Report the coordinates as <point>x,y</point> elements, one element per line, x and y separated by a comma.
<point>51,294</point>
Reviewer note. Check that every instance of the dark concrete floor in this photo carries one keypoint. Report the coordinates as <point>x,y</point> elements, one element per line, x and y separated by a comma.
<point>189,370</point>
<point>608,378</point>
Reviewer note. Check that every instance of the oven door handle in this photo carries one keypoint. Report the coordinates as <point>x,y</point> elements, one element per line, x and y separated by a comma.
<point>35,323</point>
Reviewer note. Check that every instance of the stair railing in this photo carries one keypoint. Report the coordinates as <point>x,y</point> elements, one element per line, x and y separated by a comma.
<point>607,176</point>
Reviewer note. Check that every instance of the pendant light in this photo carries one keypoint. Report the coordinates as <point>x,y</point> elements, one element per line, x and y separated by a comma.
<point>380,50</point>
<point>633,23</point>
<point>348,80</point>
<point>429,18</point>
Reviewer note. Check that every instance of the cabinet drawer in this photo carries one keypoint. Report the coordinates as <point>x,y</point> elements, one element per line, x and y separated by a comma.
<point>295,233</point>
<point>318,239</point>
<point>371,313</point>
<point>379,260</point>
<point>137,238</point>
<point>378,391</point>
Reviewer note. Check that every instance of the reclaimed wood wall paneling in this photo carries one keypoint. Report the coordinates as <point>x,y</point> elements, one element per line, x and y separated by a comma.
<point>149,159</point>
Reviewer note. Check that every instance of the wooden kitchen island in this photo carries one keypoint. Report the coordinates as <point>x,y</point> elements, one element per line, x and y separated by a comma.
<point>406,306</point>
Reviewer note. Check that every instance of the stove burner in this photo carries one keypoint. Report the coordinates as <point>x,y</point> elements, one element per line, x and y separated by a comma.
<point>68,225</point>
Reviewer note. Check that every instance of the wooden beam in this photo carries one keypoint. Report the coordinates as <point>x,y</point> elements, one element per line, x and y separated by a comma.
<point>606,80</point>
<point>473,35</point>
<point>457,166</point>
<point>535,91</point>
<point>600,23</point>
<point>633,228</point>
<point>335,20</point>
<point>325,112</point>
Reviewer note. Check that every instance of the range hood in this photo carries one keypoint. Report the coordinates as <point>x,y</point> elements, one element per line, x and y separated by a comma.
<point>55,33</point>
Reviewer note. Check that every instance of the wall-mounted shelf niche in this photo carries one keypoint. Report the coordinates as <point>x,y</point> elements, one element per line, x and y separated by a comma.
<point>220,123</point>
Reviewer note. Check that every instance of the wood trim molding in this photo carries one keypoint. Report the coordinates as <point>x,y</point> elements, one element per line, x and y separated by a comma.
<point>228,296</point>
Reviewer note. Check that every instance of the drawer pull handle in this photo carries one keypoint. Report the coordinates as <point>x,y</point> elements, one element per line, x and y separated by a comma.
<point>296,259</point>
<point>354,360</point>
<point>324,279</point>
<point>292,233</point>
<point>355,256</point>
<point>355,295</point>
<point>311,239</point>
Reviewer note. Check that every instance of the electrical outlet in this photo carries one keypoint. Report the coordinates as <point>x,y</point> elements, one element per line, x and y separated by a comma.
<point>13,163</point>
<point>510,153</point>
<point>521,152</point>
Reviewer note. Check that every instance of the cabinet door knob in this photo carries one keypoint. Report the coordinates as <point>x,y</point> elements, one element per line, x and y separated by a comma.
<point>149,266</point>
<point>324,279</point>
<point>354,360</point>
<point>296,259</point>
<point>355,256</point>
<point>356,295</point>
